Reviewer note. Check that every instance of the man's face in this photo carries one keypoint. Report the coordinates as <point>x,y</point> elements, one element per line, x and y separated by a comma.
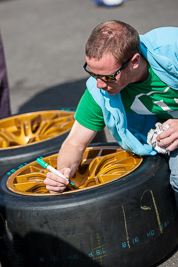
<point>105,66</point>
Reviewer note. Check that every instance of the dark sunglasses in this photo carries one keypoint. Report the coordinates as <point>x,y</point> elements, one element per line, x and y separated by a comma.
<point>107,78</point>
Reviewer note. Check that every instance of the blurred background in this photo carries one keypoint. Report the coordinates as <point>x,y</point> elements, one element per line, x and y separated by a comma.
<point>44,42</point>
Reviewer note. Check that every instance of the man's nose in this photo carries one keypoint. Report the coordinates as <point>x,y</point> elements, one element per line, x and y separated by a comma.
<point>101,84</point>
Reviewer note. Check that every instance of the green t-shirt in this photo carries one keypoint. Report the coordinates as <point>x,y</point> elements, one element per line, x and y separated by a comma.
<point>89,114</point>
<point>149,97</point>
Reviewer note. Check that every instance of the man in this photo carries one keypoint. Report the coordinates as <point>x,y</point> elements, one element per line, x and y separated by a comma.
<point>139,72</point>
<point>4,88</point>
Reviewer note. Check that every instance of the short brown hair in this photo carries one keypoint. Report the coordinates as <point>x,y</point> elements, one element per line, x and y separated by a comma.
<point>115,37</point>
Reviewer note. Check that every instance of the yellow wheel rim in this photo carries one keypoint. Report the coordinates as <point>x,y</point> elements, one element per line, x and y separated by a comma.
<point>30,128</point>
<point>99,166</point>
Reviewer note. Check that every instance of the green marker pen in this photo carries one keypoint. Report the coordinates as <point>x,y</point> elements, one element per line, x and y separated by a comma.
<point>51,169</point>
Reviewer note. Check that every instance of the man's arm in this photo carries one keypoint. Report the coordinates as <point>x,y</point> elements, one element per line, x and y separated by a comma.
<point>69,157</point>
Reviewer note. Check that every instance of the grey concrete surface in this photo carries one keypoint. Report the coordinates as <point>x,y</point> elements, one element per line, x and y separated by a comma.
<point>44,46</point>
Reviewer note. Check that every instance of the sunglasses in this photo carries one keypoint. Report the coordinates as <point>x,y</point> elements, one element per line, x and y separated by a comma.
<point>107,78</point>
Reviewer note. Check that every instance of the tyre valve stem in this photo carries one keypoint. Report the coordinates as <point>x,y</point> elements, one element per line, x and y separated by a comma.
<point>51,169</point>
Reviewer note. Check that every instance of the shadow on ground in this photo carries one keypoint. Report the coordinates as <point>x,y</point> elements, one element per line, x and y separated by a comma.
<point>164,261</point>
<point>66,95</point>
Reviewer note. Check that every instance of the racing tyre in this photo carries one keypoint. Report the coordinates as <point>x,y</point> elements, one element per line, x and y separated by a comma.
<point>121,212</point>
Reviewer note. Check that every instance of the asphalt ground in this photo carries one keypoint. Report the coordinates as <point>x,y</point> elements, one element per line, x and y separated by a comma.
<point>44,44</point>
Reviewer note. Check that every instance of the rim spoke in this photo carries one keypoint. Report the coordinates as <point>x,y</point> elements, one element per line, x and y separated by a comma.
<point>8,138</point>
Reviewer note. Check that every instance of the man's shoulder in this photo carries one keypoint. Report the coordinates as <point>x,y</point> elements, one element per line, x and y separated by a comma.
<point>162,35</point>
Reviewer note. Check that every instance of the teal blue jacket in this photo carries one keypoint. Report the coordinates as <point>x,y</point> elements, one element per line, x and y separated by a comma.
<point>160,48</point>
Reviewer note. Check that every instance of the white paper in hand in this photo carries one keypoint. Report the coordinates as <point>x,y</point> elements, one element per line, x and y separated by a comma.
<point>153,133</point>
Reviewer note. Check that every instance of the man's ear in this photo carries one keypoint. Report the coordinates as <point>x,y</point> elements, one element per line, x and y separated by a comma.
<point>135,61</point>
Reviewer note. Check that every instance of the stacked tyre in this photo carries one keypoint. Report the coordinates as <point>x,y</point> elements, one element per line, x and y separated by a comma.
<point>26,136</point>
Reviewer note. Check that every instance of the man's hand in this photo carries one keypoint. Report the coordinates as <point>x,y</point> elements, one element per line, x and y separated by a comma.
<point>56,184</point>
<point>169,137</point>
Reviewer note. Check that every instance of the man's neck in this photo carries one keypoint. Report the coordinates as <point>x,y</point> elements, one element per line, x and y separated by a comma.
<point>142,71</point>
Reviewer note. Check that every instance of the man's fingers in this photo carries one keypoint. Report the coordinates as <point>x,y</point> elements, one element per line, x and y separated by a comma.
<point>169,137</point>
<point>56,178</point>
<point>67,172</point>
<point>56,184</point>
<point>172,147</point>
<point>164,134</point>
<point>55,188</point>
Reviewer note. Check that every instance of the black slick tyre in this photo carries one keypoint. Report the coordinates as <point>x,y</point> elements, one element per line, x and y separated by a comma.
<point>129,222</point>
